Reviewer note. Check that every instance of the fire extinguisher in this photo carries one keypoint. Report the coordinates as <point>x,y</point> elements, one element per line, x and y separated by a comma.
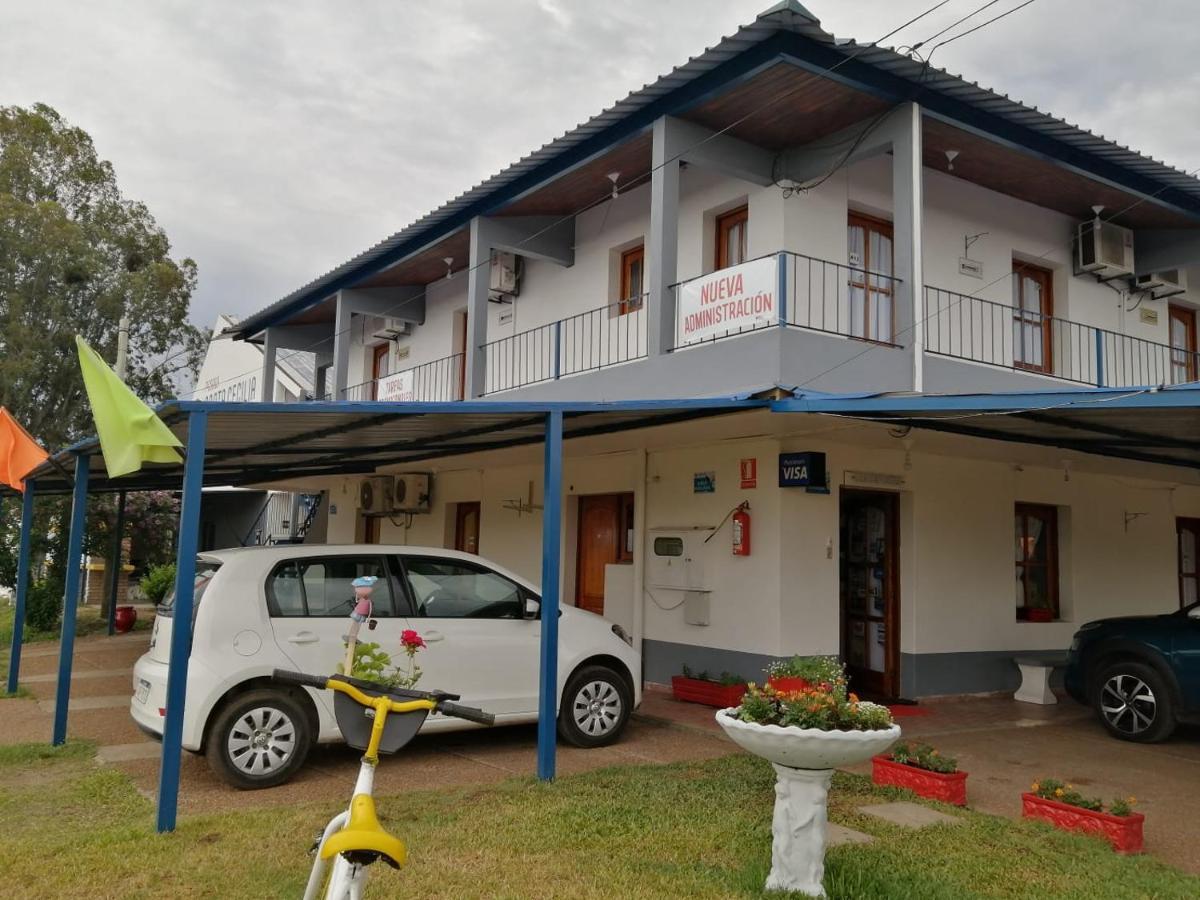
<point>741,530</point>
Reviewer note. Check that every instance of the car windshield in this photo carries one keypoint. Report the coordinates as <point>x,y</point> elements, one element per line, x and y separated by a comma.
<point>205,570</point>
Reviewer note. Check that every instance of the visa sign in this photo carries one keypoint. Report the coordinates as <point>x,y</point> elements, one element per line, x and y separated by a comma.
<point>806,469</point>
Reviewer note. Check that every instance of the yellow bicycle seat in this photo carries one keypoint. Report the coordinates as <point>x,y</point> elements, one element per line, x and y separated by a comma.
<point>364,834</point>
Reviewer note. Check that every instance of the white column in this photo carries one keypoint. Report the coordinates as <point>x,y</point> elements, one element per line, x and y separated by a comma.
<point>909,211</point>
<point>662,243</point>
<point>341,348</point>
<point>270,348</point>
<point>479,276</point>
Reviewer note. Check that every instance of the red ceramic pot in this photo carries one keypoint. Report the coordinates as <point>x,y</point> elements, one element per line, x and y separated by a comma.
<point>125,618</point>
<point>1124,833</point>
<point>948,787</point>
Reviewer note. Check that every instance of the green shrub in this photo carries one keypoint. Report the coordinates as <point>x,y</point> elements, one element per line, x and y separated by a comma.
<point>157,582</point>
<point>43,605</point>
<point>923,756</point>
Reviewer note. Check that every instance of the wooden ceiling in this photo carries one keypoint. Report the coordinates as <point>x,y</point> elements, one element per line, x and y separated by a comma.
<point>429,265</point>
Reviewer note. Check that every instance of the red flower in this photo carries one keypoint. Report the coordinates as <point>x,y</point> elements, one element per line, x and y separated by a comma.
<point>411,640</point>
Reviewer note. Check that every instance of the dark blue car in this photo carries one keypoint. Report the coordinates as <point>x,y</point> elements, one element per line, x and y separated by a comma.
<point>1140,673</point>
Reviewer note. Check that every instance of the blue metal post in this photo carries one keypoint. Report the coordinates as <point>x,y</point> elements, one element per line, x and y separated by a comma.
<point>557,348</point>
<point>1099,358</point>
<point>551,565</point>
<point>66,648</point>
<point>14,656</point>
<point>181,621</point>
<point>114,579</point>
<point>781,286</point>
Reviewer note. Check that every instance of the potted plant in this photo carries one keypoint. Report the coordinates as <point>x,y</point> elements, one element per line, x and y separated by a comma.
<point>1064,807</point>
<point>805,735</point>
<point>802,672</point>
<point>923,770</point>
<point>700,687</point>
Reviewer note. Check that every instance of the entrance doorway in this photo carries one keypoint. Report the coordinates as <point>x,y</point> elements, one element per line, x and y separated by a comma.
<point>870,591</point>
<point>605,537</point>
<point>466,527</point>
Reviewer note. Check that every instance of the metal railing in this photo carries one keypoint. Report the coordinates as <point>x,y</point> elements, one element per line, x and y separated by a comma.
<point>971,328</point>
<point>606,336</point>
<point>436,381</point>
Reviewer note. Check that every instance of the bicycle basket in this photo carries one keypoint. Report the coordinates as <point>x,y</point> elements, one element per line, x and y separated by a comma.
<point>355,723</point>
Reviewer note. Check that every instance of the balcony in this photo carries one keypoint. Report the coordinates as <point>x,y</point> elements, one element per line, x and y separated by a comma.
<point>436,381</point>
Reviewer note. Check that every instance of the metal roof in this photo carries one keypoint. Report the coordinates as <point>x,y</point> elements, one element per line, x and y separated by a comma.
<point>788,31</point>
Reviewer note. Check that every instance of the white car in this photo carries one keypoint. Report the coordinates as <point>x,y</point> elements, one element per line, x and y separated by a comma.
<point>288,607</point>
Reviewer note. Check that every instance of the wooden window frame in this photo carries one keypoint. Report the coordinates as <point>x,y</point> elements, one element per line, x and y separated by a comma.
<point>1187,316</point>
<point>1048,515</point>
<point>625,526</point>
<point>1023,317</point>
<point>726,222</point>
<point>860,276</point>
<point>378,352</point>
<point>630,300</point>
<point>1193,525</point>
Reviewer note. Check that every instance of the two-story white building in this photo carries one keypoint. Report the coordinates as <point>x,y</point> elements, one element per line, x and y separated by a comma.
<point>788,213</point>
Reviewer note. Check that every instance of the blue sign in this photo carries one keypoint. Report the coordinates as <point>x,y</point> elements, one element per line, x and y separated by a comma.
<point>704,483</point>
<point>806,470</point>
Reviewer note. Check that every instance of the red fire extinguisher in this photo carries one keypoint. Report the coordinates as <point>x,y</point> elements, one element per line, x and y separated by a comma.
<point>741,530</point>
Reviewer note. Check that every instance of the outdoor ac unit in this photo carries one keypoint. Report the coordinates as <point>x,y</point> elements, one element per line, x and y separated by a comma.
<point>411,493</point>
<point>1166,283</point>
<point>1103,249</point>
<point>505,279</point>
<point>375,495</point>
<point>389,329</point>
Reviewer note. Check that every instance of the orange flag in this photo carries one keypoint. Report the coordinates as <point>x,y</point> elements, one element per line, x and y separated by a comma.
<point>20,454</point>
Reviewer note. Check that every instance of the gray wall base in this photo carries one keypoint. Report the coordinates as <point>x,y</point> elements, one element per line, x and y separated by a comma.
<point>662,659</point>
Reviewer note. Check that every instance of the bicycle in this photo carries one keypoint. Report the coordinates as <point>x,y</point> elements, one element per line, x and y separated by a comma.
<point>376,720</point>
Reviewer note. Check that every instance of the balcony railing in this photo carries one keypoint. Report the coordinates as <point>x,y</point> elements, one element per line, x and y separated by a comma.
<point>436,381</point>
<point>596,339</point>
<point>971,328</point>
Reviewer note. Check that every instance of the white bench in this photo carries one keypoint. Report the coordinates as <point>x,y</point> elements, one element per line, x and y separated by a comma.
<point>1035,677</point>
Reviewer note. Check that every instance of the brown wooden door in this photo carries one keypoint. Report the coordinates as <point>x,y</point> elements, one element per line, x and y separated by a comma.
<point>870,594</point>
<point>1183,344</point>
<point>605,522</point>
<point>462,359</point>
<point>1188,531</point>
<point>380,359</point>
<point>466,527</point>
<point>872,301</point>
<point>371,527</point>
<point>1033,311</point>
<point>731,237</point>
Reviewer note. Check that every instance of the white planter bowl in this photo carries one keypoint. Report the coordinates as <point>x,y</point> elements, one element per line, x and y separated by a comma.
<point>806,748</point>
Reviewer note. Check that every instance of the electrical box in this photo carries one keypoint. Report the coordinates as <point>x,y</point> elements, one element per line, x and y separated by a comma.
<point>505,276</point>
<point>675,565</point>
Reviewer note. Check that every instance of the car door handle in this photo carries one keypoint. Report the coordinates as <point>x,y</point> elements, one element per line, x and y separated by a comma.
<point>303,637</point>
<point>433,636</point>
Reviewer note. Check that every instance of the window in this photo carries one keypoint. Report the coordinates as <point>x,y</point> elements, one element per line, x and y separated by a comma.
<point>1033,305</point>
<point>1183,344</point>
<point>1188,531</point>
<point>872,304</point>
<point>1036,543</point>
<point>625,529</point>
<point>446,588</point>
<point>205,571</point>
<point>633,266</point>
<point>731,237</point>
<point>380,359</point>
<point>321,587</point>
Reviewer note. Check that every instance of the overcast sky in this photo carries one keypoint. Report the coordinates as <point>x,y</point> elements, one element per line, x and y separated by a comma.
<point>274,140</point>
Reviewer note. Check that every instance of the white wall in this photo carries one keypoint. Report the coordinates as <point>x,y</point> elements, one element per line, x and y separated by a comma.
<point>232,371</point>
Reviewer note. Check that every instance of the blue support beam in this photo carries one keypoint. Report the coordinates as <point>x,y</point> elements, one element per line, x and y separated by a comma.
<point>181,621</point>
<point>14,656</point>
<point>551,567</point>
<point>114,578</point>
<point>73,563</point>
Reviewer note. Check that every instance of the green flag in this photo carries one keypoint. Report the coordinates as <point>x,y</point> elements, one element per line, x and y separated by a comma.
<point>130,433</point>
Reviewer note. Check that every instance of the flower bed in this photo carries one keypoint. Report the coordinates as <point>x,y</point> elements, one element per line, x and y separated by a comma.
<point>948,787</point>
<point>1063,807</point>
<point>800,673</point>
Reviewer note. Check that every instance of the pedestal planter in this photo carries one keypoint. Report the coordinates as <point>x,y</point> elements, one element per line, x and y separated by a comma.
<point>804,760</point>
<point>1124,833</point>
<point>710,693</point>
<point>947,787</point>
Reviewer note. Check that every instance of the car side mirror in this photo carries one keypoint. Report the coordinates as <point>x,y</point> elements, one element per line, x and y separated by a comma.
<point>532,608</point>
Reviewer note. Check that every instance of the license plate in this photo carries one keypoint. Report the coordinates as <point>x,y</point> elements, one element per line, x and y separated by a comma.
<point>143,690</point>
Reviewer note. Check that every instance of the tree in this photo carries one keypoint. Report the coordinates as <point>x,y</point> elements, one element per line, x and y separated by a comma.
<point>74,255</point>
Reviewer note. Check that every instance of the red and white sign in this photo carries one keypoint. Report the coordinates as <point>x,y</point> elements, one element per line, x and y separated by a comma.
<point>740,298</point>
<point>398,387</point>
<point>750,472</point>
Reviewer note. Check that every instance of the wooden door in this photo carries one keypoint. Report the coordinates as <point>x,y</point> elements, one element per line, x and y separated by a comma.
<point>1033,309</point>
<point>1183,344</point>
<point>1188,533</point>
<point>872,300</point>
<point>731,237</point>
<point>605,527</point>
<point>633,263</point>
<point>466,527</point>
<point>380,359</point>
<point>462,358</point>
<point>371,527</point>
<point>870,594</point>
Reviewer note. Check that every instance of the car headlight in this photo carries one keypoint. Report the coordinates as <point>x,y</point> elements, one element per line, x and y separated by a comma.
<point>622,634</point>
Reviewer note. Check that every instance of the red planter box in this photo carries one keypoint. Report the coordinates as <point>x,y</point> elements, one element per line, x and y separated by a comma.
<point>783,683</point>
<point>949,788</point>
<point>710,693</point>
<point>1123,832</point>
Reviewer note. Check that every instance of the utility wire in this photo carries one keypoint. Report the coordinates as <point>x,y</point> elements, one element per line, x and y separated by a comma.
<point>976,28</point>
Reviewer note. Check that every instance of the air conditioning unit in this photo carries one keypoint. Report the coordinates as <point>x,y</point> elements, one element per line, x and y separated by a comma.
<point>505,279</point>
<point>388,329</point>
<point>1166,283</point>
<point>375,495</point>
<point>411,493</point>
<point>1103,249</point>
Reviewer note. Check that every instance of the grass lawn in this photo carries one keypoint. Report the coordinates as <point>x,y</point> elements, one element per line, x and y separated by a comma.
<point>73,829</point>
<point>87,621</point>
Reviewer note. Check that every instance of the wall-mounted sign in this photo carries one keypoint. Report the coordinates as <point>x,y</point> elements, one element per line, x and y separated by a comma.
<point>873,480</point>
<point>397,386</point>
<point>1148,316</point>
<point>970,267</point>
<point>740,298</point>
<point>805,469</point>
<point>749,468</point>
<point>704,483</point>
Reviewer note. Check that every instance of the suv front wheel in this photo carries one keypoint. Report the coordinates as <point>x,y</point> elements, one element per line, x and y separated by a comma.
<point>259,739</point>
<point>1134,702</point>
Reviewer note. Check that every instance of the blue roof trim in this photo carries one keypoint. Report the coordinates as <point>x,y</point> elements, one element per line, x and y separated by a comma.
<point>460,407</point>
<point>1180,397</point>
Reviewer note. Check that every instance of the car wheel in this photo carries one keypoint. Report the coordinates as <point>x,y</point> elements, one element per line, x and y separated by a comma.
<point>1134,702</point>
<point>259,739</point>
<point>595,707</point>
